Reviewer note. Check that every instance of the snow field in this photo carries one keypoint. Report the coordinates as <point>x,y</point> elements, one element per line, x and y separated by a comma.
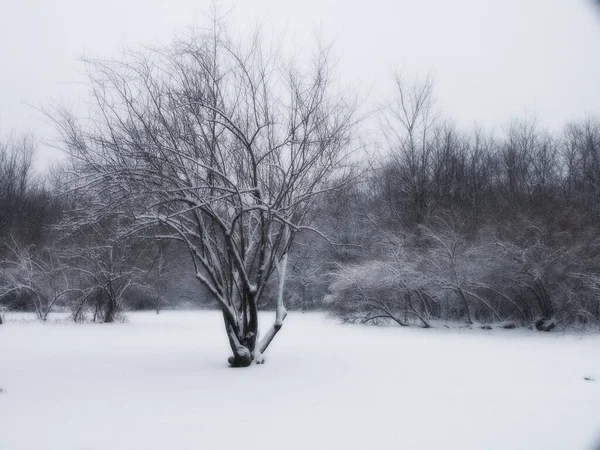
<point>162,382</point>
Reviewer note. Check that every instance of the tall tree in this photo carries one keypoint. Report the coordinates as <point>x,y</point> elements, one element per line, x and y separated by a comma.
<point>219,146</point>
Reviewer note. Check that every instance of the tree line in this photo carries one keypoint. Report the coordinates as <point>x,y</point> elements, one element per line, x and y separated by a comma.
<point>472,226</point>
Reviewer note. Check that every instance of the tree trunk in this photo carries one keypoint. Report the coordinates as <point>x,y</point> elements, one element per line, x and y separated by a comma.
<point>251,332</point>
<point>243,336</point>
<point>466,305</point>
<point>110,311</point>
<point>242,356</point>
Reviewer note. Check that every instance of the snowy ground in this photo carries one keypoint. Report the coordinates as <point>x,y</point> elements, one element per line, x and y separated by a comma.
<point>162,382</point>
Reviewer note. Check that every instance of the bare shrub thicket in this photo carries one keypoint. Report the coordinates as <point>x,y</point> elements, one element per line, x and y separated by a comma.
<point>494,229</point>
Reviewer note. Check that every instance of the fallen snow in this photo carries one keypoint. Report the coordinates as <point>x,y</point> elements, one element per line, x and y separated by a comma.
<point>162,382</point>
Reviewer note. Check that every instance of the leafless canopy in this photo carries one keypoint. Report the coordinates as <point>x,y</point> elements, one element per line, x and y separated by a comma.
<point>220,146</point>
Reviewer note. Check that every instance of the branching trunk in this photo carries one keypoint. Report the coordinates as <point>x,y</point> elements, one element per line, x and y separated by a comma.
<point>242,356</point>
<point>280,311</point>
<point>463,297</point>
<point>220,149</point>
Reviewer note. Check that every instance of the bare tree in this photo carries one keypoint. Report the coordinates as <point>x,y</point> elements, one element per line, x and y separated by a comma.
<point>452,270</point>
<point>16,159</point>
<point>161,267</point>
<point>408,124</point>
<point>39,275</point>
<point>105,271</point>
<point>221,147</point>
<point>581,166</point>
<point>546,266</point>
<point>390,287</point>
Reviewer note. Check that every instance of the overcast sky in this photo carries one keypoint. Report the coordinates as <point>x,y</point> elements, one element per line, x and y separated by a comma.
<point>492,60</point>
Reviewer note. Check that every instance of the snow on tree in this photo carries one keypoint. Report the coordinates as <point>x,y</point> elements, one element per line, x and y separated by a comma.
<point>390,287</point>
<point>38,275</point>
<point>222,147</point>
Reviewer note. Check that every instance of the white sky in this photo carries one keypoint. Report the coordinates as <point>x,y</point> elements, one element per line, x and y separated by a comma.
<point>492,60</point>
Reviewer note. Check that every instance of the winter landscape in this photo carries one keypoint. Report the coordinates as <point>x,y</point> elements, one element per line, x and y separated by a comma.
<point>241,236</point>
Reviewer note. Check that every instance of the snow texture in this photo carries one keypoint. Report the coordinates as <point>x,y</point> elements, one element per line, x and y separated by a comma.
<point>162,382</point>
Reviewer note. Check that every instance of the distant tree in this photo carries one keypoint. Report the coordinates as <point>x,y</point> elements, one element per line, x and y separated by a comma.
<point>581,166</point>
<point>105,267</point>
<point>38,275</point>
<point>390,287</point>
<point>408,125</point>
<point>16,161</point>
<point>161,265</point>
<point>546,270</point>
